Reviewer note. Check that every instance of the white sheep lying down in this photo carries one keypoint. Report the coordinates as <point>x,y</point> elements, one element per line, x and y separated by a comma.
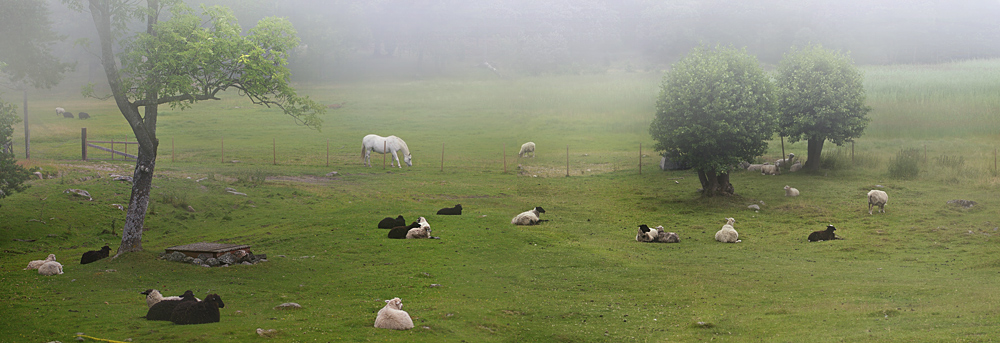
<point>791,192</point>
<point>51,268</point>
<point>769,169</point>
<point>38,263</point>
<point>529,217</point>
<point>728,234</point>
<point>393,317</point>
<point>877,198</point>
<point>647,234</point>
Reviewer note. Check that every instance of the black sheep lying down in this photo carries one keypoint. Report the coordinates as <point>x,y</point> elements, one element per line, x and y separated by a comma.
<point>95,255</point>
<point>825,235</point>
<point>388,222</point>
<point>451,211</point>
<point>163,309</point>
<point>198,312</point>
<point>399,232</point>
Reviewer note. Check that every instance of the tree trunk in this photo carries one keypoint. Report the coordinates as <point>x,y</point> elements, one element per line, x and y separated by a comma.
<point>815,153</point>
<point>713,184</point>
<point>142,181</point>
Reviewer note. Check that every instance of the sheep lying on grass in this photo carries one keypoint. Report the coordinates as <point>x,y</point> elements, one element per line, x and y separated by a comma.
<point>164,309</point>
<point>657,234</point>
<point>825,235</point>
<point>728,234</point>
<point>791,192</point>
<point>526,148</point>
<point>94,255</point>
<point>529,217</point>
<point>393,317</point>
<point>50,268</point>
<point>198,312</point>
<point>451,211</point>
<point>38,263</point>
<point>877,198</point>
<point>400,232</point>
<point>769,169</point>
<point>153,296</point>
<point>785,161</point>
<point>389,222</point>
<point>795,167</point>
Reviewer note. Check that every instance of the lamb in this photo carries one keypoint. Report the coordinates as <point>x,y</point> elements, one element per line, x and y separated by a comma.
<point>666,237</point>
<point>420,232</point>
<point>526,148</point>
<point>784,161</point>
<point>451,211</point>
<point>83,115</point>
<point>825,235</point>
<point>877,198</point>
<point>528,217</point>
<point>38,263</point>
<point>95,255</point>
<point>728,234</point>
<point>153,296</point>
<point>50,268</point>
<point>645,234</point>
<point>164,309</point>
<point>388,222</point>
<point>198,312</point>
<point>769,169</point>
<point>791,192</point>
<point>400,232</point>
<point>795,167</point>
<point>393,317</point>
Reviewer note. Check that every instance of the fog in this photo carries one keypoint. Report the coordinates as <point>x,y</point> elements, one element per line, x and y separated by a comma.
<point>344,40</point>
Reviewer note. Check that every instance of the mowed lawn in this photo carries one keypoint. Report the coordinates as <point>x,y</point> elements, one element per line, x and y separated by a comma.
<point>920,272</point>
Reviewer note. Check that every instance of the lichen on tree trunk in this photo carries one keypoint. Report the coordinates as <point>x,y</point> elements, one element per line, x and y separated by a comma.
<point>142,182</point>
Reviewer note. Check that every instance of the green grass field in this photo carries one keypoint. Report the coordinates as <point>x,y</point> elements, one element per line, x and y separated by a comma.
<point>922,272</point>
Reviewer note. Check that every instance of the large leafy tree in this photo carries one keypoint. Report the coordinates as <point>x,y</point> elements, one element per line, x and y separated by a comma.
<point>715,110</point>
<point>12,176</point>
<point>821,97</point>
<point>182,61</point>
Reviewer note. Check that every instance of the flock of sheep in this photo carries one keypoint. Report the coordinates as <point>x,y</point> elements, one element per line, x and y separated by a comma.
<point>62,112</point>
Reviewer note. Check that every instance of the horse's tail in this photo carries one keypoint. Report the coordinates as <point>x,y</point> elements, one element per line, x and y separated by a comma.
<point>363,149</point>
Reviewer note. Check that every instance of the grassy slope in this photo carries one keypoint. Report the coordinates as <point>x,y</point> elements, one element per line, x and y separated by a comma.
<point>919,273</point>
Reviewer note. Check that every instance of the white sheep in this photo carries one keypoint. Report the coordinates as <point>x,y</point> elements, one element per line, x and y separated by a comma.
<point>424,231</point>
<point>795,167</point>
<point>646,234</point>
<point>526,148</point>
<point>791,192</point>
<point>728,234</point>
<point>393,317</point>
<point>38,263</point>
<point>783,161</point>
<point>877,198</point>
<point>663,236</point>
<point>60,111</point>
<point>769,169</point>
<point>153,296</point>
<point>50,268</point>
<point>755,167</point>
<point>528,217</point>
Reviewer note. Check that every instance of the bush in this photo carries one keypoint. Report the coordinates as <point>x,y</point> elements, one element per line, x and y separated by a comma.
<point>252,177</point>
<point>906,164</point>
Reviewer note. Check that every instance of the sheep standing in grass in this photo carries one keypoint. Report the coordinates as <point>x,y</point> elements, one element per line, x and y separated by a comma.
<point>526,148</point>
<point>825,235</point>
<point>153,296</point>
<point>388,222</point>
<point>164,309</point>
<point>38,263</point>
<point>60,111</point>
<point>50,268</point>
<point>769,169</point>
<point>877,198</point>
<point>198,312</point>
<point>393,317</point>
<point>529,217</point>
<point>791,192</point>
<point>728,234</point>
<point>94,255</point>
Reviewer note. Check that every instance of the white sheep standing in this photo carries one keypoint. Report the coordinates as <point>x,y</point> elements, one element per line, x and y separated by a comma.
<point>50,268</point>
<point>393,317</point>
<point>728,234</point>
<point>877,198</point>
<point>791,192</point>
<point>526,148</point>
<point>769,169</point>
<point>38,263</point>
<point>60,111</point>
<point>529,217</point>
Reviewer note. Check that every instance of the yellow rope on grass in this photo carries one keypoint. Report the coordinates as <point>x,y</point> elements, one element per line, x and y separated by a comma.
<point>100,339</point>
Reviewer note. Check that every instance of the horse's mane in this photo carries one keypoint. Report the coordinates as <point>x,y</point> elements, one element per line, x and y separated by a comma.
<point>402,146</point>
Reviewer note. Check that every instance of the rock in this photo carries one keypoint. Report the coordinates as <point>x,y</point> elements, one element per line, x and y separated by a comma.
<point>204,256</point>
<point>79,192</point>
<point>246,263</point>
<point>175,256</point>
<point>754,207</point>
<point>197,261</point>
<point>214,262</point>
<point>288,306</point>
<point>962,203</point>
<point>228,258</point>
<point>118,206</point>
<point>38,174</point>
<point>333,173</point>
<point>188,259</point>
<point>190,209</point>
<point>266,333</point>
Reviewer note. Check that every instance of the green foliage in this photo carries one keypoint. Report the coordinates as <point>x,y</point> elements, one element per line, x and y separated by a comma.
<point>252,177</point>
<point>12,176</point>
<point>715,109</point>
<point>906,164</point>
<point>820,96</point>
<point>25,55</point>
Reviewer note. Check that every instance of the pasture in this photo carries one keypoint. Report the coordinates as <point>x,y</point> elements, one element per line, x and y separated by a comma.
<point>922,271</point>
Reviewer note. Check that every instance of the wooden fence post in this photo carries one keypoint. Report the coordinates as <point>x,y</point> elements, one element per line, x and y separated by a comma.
<point>442,157</point>
<point>505,158</point>
<point>223,140</point>
<point>112,148</point>
<point>171,149</point>
<point>83,142</point>
<point>383,154</point>
<point>567,159</point>
<point>327,152</point>
<point>852,152</point>
<point>640,158</point>
<point>274,151</point>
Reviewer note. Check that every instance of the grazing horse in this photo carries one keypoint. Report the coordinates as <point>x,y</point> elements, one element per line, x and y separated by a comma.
<point>381,144</point>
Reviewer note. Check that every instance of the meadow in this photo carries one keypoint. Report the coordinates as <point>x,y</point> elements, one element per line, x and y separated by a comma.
<point>923,271</point>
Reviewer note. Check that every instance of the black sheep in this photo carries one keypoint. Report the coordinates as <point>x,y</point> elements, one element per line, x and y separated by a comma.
<point>451,211</point>
<point>68,115</point>
<point>388,222</point>
<point>163,309</point>
<point>95,255</point>
<point>83,115</point>
<point>399,232</point>
<point>198,312</point>
<point>825,235</point>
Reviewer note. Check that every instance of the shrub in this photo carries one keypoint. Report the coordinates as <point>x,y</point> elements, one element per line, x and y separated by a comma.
<point>906,164</point>
<point>252,177</point>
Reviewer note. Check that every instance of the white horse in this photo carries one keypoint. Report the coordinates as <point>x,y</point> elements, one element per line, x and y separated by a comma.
<point>526,148</point>
<point>381,145</point>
